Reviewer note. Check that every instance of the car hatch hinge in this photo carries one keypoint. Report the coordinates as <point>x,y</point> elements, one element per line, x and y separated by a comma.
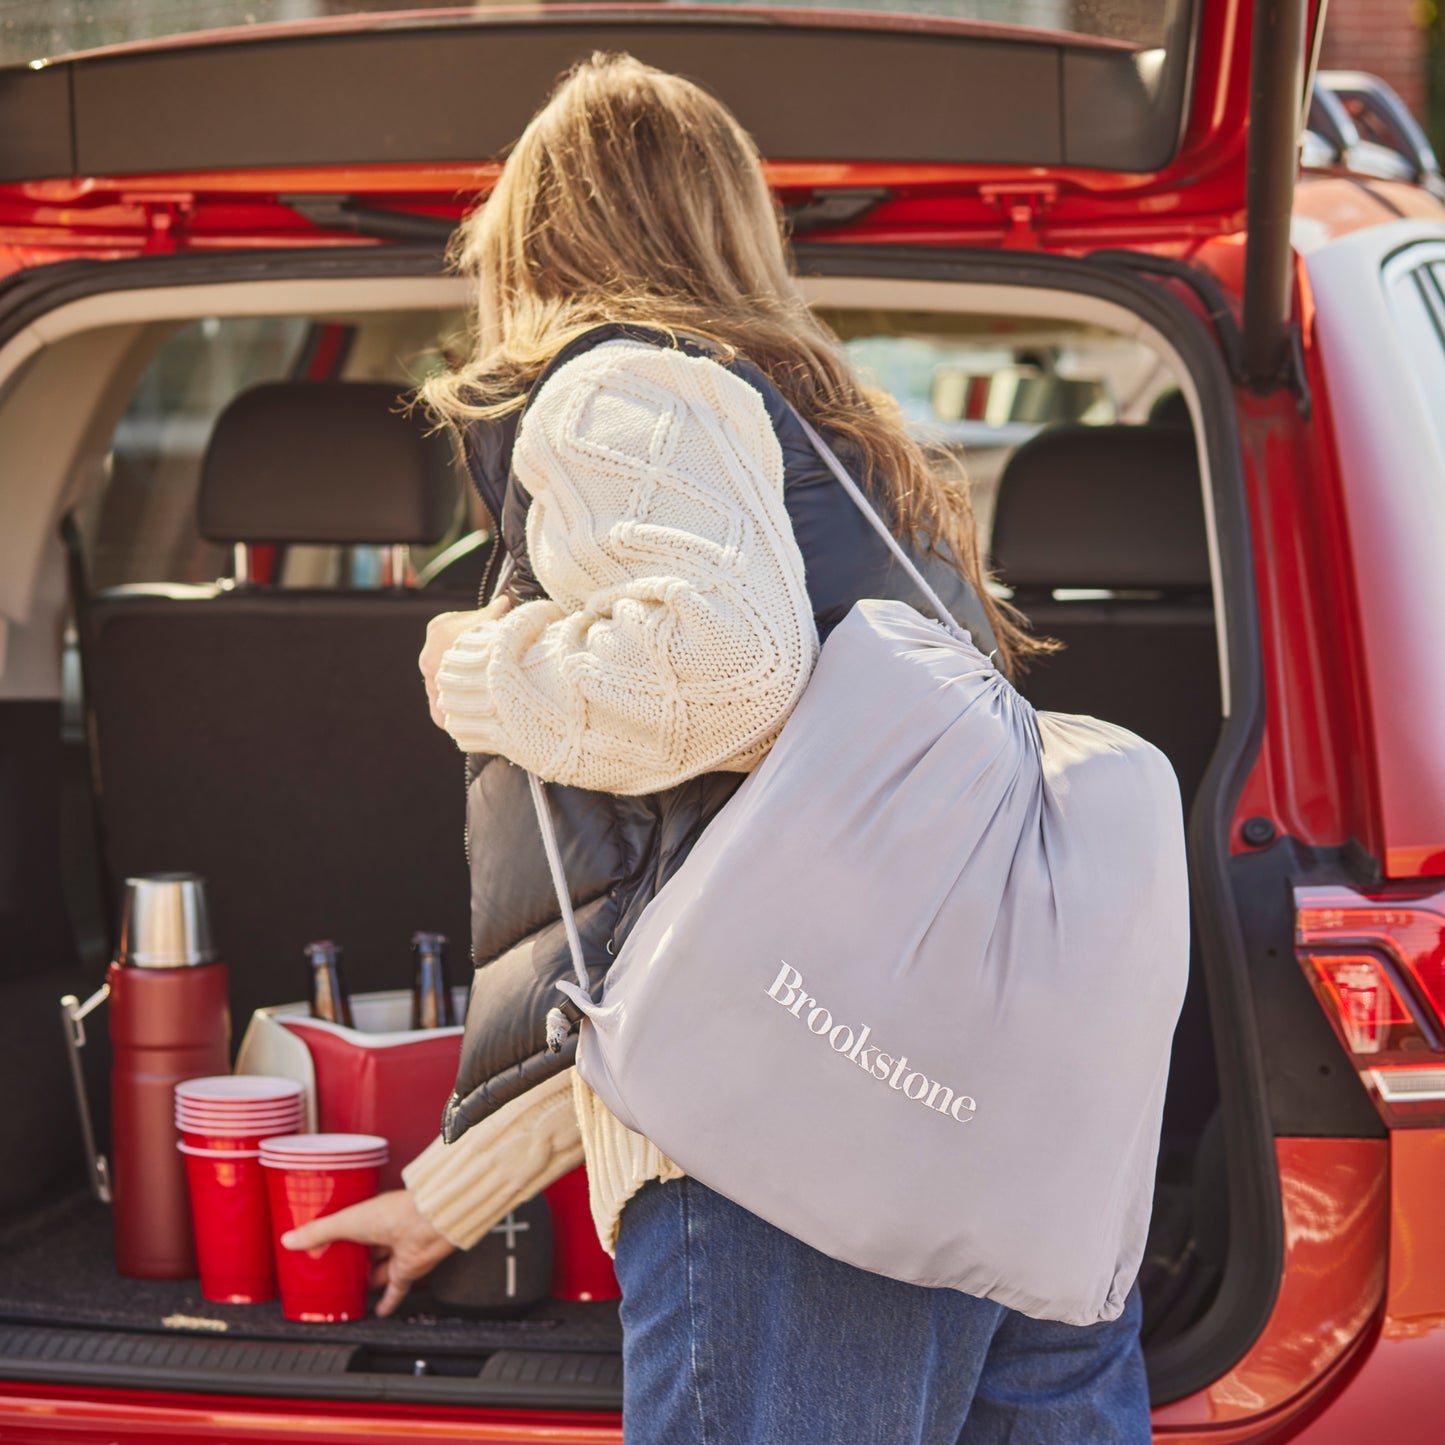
<point>164,214</point>
<point>1023,205</point>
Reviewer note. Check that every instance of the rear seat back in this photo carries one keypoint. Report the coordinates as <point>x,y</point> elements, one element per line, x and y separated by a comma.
<point>1116,509</point>
<point>278,742</point>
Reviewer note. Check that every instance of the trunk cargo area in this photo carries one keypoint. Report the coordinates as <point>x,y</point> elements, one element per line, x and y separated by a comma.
<point>64,1308</point>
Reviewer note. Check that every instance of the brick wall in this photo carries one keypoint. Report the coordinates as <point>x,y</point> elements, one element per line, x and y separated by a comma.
<point>1380,36</point>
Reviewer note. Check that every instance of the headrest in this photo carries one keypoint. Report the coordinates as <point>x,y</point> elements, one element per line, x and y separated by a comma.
<point>1170,409</point>
<point>1102,506</point>
<point>326,462</point>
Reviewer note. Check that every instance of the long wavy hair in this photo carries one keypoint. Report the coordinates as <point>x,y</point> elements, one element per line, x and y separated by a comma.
<point>634,195</point>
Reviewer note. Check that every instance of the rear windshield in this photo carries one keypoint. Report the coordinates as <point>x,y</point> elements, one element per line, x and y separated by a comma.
<point>972,386</point>
<point>33,30</point>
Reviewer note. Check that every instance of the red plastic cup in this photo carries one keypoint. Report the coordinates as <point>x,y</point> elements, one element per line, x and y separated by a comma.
<point>236,1111</point>
<point>205,1120</point>
<point>307,1176</point>
<point>244,1124</point>
<point>239,1111</point>
<point>237,1091</point>
<point>217,1126</point>
<point>235,1136</point>
<point>581,1268</point>
<point>341,1161</point>
<point>232,1225</point>
<point>205,1116</point>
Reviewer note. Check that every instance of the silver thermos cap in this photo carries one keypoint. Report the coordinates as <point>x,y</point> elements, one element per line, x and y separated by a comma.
<point>166,923</point>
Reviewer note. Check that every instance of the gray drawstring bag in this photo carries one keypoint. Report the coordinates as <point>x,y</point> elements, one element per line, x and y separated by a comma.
<point>911,995</point>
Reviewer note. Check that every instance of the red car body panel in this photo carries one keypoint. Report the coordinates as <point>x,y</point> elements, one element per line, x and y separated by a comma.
<point>1199,193</point>
<point>1392,1389</point>
<point>1304,779</point>
<point>1336,1196</point>
<point>115,1417</point>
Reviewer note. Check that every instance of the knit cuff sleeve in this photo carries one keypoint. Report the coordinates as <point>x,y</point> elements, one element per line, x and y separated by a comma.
<point>463,1189</point>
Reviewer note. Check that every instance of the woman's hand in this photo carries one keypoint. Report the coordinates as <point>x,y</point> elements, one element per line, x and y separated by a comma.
<point>441,632</point>
<point>404,1245</point>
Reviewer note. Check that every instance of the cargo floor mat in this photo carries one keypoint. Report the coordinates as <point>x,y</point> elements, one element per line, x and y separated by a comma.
<point>57,1268</point>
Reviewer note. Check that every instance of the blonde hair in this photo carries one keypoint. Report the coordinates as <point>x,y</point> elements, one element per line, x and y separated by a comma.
<point>634,196</point>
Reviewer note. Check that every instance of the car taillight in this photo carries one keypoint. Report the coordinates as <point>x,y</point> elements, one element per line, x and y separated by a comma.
<point>1376,961</point>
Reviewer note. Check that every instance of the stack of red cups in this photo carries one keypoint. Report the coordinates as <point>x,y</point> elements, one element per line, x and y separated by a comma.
<point>309,1175</point>
<point>222,1121</point>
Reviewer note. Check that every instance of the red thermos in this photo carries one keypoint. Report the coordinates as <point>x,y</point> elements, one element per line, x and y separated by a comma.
<point>169,1020</point>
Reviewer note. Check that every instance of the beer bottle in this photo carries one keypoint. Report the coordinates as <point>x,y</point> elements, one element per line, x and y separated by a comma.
<point>431,994</point>
<point>328,991</point>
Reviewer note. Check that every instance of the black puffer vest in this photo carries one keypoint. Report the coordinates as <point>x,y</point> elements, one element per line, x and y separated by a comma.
<point>619,851</point>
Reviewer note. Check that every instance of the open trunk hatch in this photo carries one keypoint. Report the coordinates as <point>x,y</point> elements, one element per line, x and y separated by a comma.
<point>1099,121</point>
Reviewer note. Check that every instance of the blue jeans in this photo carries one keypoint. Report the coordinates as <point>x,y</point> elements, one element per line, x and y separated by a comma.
<point>735,1333</point>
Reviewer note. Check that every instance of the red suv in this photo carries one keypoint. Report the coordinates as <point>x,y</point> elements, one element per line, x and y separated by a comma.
<point>1201,400</point>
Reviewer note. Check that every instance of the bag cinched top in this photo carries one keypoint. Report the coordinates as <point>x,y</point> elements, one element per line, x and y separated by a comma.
<point>910,997</point>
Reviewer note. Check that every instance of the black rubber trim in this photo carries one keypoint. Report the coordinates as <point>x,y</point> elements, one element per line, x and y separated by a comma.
<point>280,1370</point>
<point>536,1367</point>
<point>29,1347</point>
<point>26,295</point>
<point>1205,287</point>
<point>1252,1272</point>
<point>1314,1089</point>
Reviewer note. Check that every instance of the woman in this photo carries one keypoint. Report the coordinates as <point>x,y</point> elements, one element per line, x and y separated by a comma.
<point>678,551</point>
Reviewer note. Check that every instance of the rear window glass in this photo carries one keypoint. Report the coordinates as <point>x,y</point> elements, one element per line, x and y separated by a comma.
<point>140,526</point>
<point>975,396</point>
<point>972,388</point>
<point>38,29</point>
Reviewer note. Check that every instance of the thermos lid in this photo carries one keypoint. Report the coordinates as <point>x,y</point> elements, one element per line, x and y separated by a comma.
<point>166,923</point>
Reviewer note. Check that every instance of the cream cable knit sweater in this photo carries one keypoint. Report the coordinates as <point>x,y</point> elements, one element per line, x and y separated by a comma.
<point>677,635</point>
<point>676,639</point>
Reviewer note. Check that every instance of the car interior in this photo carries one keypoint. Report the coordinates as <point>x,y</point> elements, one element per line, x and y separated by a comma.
<point>250,532</point>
